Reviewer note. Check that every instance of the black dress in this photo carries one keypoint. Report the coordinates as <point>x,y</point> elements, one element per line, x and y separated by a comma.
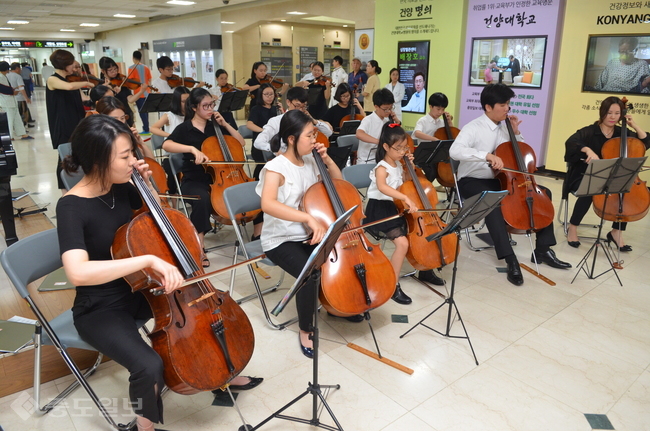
<point>256,98</point>
<point>123,96</point>
<point>335,114</point>
<point>259,116</point>
<point>317,102</point>
<point>591,137</point>
<point>105,315</point>
<point>64,111</point>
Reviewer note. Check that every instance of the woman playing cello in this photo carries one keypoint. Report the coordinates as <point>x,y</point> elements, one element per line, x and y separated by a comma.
<point>187,138</point>
<point>584,146</point>
<point>343,108</point>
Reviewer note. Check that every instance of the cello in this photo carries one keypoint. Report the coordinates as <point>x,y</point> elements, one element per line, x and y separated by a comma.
<point>444,175</point>
<point>357,276</point>
<point>526,208</point>
<point>220,148</point>
<point>422,254</point>
<point>353,111</point>
<point>192,319</point>
<point>630,206</point>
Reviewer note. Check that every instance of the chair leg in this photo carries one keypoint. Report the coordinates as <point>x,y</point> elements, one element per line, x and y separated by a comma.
<point>260,295</point>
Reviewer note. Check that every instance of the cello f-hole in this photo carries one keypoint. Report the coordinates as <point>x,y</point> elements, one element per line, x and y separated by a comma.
<point>183,320</point>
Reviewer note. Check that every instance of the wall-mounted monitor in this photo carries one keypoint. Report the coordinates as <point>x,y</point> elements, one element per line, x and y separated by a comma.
<point>491,59</point>
<point>618,64</point>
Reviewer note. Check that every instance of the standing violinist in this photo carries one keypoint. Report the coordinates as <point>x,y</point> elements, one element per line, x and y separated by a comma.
<point>319,91</point>
<point>200,122</point>
<point>222,81</point>
<point>165,67</point>
<point>259,74</point>
<point>474,147</point>
<point>111,71</point>
<point>584,146</point>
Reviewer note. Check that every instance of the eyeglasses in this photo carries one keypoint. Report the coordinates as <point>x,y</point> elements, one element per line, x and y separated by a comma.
<point>299,106</point>
<point>400,149</point>
<point>112,69</point>
<point>208,106</point>
<point>386,109</point>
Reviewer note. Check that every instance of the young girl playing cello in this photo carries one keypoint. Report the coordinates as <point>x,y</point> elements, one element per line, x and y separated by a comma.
<point>283,182</point>
<point>386,179</point>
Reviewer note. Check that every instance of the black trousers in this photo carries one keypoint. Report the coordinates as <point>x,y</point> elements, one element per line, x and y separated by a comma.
<point>581,208</point>
<point>144,116</point>
<point>202,208</point>
<point>496,226</point>
<point>292,257</point>
<point>108,324</point>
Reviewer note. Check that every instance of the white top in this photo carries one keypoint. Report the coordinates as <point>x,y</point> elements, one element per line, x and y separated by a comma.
<point>308,77</point>
<point>297,179</point>
<point>398,93</point>
<point>272,128</point>
<point>162,85</point>
<point>394,180</point>
<point>338,77</point>
<point>472,145</point>
<point>418,102</point>
<point>372,125</point>
<point>17,83</point>
<point>428,125</point>
<point>174,121</point>
<point>6,100</point>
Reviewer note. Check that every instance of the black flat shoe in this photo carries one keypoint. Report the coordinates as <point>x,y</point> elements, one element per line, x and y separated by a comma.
<point>574,244</point>
<point>354,319</point>
<point>254,382</point>
<point>514,273</point>
<point>430,277</point>
<point>549,258</point>
<point>400,297</point>
<point>625,248</point>
<point>307,351</point>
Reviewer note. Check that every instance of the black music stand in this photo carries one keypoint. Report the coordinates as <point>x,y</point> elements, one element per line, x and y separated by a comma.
<point>474,210</point>
<point>349,127</point>
<point>432,152</point>
<point>157,102</point>
<point>312,271</point>
<point>606,177</point>
<point>233,101</point>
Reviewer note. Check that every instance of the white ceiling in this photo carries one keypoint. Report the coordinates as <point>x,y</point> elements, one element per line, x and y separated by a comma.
<point>53,15</point>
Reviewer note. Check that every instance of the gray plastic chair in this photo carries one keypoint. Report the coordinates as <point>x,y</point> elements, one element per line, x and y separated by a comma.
<point>245,132</point>
<point>239,199</point>
<point>348,141</point>
<point>24,262</point>
<point>70,180</point>
<point>157,143</point>
<point>175,164</point>
<point>358,175</point>
<point>64,150</point>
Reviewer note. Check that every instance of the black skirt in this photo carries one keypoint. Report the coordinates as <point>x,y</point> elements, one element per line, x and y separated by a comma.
<point>379,209</point>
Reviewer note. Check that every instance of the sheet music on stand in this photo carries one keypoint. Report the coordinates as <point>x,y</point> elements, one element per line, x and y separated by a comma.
<point>156,102</point>
<point>432,152</point>
<point>609,176</point>
<point>233,101</point>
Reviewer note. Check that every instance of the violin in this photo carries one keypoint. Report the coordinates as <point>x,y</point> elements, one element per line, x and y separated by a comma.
<point>357,276</point>
<point>203,337</point>
<point>444,175</point>
<point>222,148</point>
<point>84,77</point>
<point>526,207</point>
<point>228,88</point>
<point>323,80</point>
<point>630,206</point>
<point>176,81</point>
<point>122,81</point>
<point>275,82</point>
<point>422,254</point>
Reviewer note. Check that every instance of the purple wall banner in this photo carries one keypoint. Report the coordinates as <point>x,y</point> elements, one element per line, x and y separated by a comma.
<point>527,30</point>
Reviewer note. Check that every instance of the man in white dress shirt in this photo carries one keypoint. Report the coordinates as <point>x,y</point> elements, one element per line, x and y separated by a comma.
<point>338,76</point>
<point>296,99</point>
<point>474,147</point>
<point>418,99</point>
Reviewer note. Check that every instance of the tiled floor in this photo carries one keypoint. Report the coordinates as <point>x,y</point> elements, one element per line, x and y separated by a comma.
<point>548,355</point>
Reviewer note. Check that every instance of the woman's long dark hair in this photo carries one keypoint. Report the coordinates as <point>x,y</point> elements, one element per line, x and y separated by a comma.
<point>92,145</point>
<point>192,102</point>
<point>177,105</point>
<point>293,123</point>
<point>606,104</point>
<point>255,66</point>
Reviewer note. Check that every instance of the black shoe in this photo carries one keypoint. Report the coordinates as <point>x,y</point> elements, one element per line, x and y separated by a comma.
<point>430,277</point>
<point>400,297</point>
<point>254,381</point>
<point>30,125</point>
<point>625,248</point>
<point>514,273</point>
<point>574,244</point>
<point>355,319</point>
<point>255,237</point>
<point>549,258</point>
<point>307,351</point>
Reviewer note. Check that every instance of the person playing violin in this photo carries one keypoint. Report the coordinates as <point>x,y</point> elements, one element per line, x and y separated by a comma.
<point>289,235</point>
<point>473,147</point>
<point>320,85</point>
<point>386,178</point>
<point>187,138</point>
<point>110,71</point>
<point>344,97</point>
<point>222,81</point>
<point>165,67</point>
<point>63,102</point>
<point>258,74</point>
<point>584,146</point>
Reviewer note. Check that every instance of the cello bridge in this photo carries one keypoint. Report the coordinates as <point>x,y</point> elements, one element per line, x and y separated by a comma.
<point>202,298</point>
<point>351,244</point>
<point>525,184</point>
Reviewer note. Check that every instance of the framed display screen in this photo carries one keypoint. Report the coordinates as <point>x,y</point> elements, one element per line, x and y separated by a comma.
<point>413,66</point>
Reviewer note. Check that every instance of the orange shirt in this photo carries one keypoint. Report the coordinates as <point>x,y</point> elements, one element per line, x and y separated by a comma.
<point>136,76</point>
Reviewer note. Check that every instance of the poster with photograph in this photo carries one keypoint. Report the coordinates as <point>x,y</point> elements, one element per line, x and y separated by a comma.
<point>207,62</point>
<point>176,58</point>
<point>364,45</point>
<point>190,64</point>
<point>413,66</point>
